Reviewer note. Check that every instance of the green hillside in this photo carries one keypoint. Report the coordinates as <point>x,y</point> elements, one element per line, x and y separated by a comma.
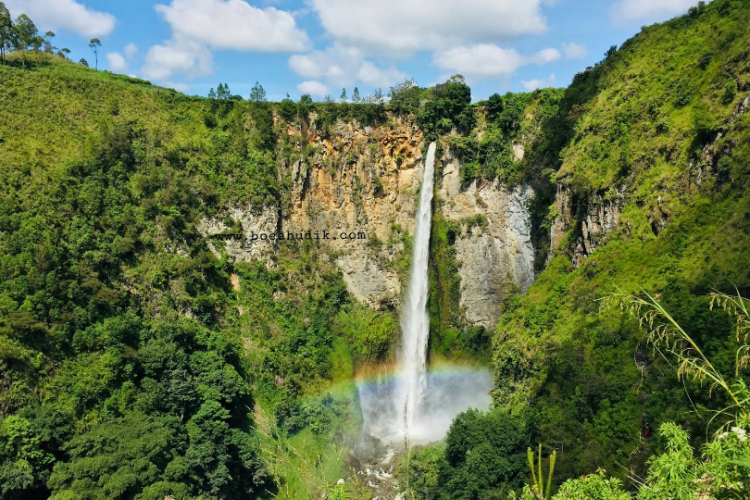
<point>135,364</point>
<point>639,123</point>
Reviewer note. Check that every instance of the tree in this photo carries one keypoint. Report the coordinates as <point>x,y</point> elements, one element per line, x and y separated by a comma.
<point>65,51</point>
<point>212,93</point>
<point>355,96</point>
<point>378,96</point>
<point>94,45</point>
<point>6,31</point>
<point>343,95</point>
<point>223,92</point>
<point>25,34</point>
<point>258,94</point>
<point>404,95</point>
<point>83,62</point>
<point>48,36</point>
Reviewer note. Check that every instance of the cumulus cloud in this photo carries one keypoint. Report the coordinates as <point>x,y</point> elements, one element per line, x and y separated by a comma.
<point>130,50</point>
<point>234,24</point>
<point>200,26</point>
<point>546,56</point>
<point>313,88</point>
<point>574,50</point>
<point>177,56</point>
<point>117,63</point>
<point>340,65</point>
<point>648,10</point>
<point>396,27</point>
<point>489,61</point>
<point>64,14</point>
<point>539,83</point>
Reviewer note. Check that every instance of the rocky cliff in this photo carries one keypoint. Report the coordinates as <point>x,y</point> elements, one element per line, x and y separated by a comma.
<point>591,218</point>
<point>366,180</point>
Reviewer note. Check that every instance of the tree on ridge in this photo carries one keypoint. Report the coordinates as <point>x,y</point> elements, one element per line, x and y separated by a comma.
<point>94,44</point>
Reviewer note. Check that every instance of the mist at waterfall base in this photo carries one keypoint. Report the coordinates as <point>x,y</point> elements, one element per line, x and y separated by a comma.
<point>415,406</point>
<point>447,392</point>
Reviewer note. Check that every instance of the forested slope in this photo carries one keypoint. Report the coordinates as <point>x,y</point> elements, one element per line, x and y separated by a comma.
<point>657,136</point>
<point>119,370</point>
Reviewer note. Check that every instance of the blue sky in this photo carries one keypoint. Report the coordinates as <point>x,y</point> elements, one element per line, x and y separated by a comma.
<point>322,46</point>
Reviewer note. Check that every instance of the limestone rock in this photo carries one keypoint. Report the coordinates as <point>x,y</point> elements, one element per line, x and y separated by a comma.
<point>494,257</point>
<point>252,221</point>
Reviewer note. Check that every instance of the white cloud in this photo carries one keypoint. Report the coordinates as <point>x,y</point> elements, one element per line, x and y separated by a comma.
<point>130,50</point>
<point>373,76</point>
<point>234,24</point>
<point>198,26</point>
<point>487,60</point>
<point>539,83</point>
<point>64,14</point>
<point>177,56</point>
<point>648,10</point>
<point>340,65</point>
<point>398,27</point>
<point>117,63</point>
<point>546,56</point>
<point>179,87</point>
<point>574,50</point>
<point>313,88</point>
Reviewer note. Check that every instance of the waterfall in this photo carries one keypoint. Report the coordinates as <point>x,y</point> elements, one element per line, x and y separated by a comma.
<point>414,406</point>
<point>415,321</point>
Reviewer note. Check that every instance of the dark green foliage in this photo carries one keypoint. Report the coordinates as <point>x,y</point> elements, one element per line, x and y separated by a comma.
<point>318,414</point>
<point>484,457</point>
<point>107,390</point>
<point>449,107</point>
<point>730,91</point>
<point>405,96</point>
<point>6,31</point>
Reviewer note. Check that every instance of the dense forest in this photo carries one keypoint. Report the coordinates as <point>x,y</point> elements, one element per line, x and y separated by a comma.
<point>135,363</point>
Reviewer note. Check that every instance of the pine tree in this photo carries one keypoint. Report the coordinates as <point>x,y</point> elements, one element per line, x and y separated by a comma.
<point>258,94</point>
<point>343,95</point>
<point>355,96</point>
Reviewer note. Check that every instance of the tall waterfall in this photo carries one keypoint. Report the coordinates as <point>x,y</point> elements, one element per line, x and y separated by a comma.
<point>413,406</point>
<point>415,322</point>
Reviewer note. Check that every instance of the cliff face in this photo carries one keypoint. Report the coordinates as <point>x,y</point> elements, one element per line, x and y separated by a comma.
<point>598,216</point>
<point>366,180</point>
<point>363,180</point>
<point>495,256</point>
